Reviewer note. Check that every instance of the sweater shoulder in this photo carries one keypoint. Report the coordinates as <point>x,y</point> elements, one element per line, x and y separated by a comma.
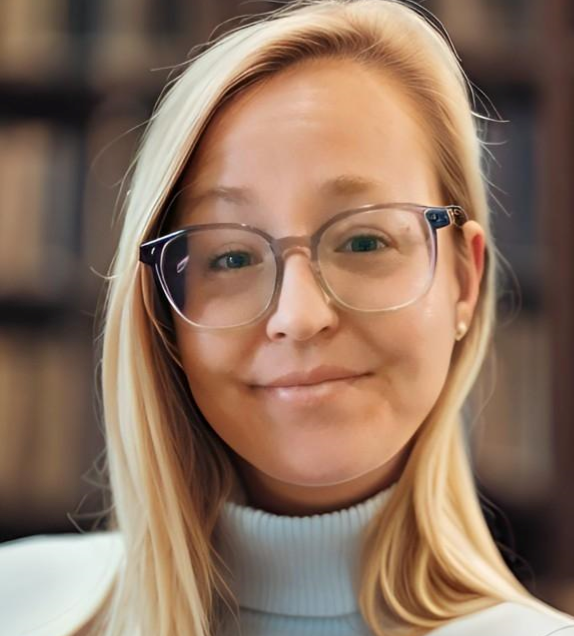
<point>50,585</point>
<point>510,619</point>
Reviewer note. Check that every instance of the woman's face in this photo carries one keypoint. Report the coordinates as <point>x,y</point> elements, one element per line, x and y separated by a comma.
<point>281,141</point>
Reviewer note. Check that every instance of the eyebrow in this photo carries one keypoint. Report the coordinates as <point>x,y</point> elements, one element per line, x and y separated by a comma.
<point>341,185</point>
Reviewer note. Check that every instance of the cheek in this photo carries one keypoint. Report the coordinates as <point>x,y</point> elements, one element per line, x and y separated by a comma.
<point>430,322</point>
<point>415,347</point>
<point>205,359</point>
<point>213,364</point>
<point>435,343</point>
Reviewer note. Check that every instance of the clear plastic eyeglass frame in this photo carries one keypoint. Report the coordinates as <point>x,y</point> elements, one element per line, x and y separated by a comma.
<point>151,253</point>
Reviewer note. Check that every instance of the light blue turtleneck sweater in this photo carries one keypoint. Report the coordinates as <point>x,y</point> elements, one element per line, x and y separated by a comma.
<point>296,576</point>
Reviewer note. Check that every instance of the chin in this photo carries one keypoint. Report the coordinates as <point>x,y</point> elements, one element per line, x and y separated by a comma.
<point>320,474</point>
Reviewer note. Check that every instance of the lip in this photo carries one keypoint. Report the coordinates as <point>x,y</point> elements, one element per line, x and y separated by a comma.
<point>314,395</point>
<point>318,375</point>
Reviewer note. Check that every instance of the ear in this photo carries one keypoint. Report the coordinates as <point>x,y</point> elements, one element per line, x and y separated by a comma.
<point>470,272</point>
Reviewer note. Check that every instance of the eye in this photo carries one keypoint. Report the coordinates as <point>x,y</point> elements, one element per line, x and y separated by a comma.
<point>364,243</point>
<point>231,260</point>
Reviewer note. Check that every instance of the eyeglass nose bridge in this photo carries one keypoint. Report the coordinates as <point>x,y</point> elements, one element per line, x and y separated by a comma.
<point>283,247</point>
<point>289,244</point>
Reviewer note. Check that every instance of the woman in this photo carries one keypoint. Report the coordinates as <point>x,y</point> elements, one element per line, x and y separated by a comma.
<point>301,301</point>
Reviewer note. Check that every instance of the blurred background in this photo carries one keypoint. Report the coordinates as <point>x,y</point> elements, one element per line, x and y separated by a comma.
<point>78,79</point>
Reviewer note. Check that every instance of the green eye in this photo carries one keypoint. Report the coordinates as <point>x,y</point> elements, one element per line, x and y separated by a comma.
<point>231,260</point>
<point>364,243</point>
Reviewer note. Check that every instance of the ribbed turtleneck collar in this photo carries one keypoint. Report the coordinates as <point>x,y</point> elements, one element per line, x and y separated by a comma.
<point>296,566</point>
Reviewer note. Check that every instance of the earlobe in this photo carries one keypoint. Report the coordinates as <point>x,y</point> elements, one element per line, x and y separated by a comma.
<point>461,329</point>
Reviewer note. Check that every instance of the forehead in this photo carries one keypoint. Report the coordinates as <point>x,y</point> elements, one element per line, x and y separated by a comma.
<point>334,130</point>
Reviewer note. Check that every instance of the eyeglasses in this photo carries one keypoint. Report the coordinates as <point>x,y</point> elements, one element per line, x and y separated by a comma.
<point>375,258</point>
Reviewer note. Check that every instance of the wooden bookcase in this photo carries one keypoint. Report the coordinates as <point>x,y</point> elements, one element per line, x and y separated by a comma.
<point>77,81</point>
<point>520,54</point>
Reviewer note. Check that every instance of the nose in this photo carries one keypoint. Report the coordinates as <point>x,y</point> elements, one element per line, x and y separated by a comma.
<point>303,309</point>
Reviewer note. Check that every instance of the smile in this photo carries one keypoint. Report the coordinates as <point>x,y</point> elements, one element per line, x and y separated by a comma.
<point>310,394</point>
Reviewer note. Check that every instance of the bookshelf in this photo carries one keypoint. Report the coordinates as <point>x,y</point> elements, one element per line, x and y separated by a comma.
<point>557,227</point>
<point>78,80</point>
<point>524,441</point>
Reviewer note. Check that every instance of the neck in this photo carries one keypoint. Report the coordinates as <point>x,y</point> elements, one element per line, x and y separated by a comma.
<point>281,498</point>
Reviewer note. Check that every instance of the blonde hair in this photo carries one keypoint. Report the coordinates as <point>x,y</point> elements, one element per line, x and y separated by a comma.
<point>428,556</point>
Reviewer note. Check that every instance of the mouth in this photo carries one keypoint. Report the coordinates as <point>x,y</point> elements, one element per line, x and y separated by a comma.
<point>311,394</point>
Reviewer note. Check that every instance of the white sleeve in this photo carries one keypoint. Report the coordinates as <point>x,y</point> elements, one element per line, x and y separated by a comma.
<point>51,584</point>
<point>510,619</point>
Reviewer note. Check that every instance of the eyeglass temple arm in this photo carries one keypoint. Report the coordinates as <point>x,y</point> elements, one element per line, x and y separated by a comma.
<point>441,217</point>
<point>149,253</point>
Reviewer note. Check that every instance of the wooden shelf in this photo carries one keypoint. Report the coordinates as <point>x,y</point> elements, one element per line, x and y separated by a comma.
<point>37,313</point>
<point>66,101</point>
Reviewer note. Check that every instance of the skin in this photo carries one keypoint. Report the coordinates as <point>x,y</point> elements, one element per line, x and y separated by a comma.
<point>282,139</point>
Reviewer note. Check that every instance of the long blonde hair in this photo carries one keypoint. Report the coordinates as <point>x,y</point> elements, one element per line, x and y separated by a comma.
<point>429,556</point>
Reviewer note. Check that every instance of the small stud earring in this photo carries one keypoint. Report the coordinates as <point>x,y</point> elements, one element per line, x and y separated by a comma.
<point>460,331</point>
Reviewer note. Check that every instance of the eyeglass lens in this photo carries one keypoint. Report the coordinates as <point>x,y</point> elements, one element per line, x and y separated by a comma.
<point>373,260</point>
